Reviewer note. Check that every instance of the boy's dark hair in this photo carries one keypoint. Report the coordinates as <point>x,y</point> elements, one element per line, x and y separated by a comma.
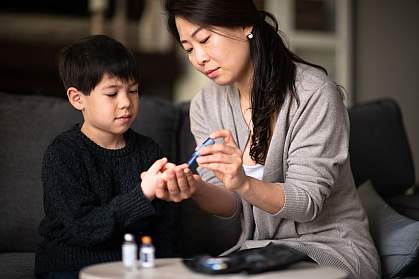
<point>83,64</point>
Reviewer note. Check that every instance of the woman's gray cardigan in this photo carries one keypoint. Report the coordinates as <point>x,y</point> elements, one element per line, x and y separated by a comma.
<point>322,215</point>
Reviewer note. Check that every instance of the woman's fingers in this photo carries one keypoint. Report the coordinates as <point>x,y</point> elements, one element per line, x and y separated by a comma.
<point>171,181</point>
<point>225,160</point>
<point>225,169</point>
<point>219,148</point>
<point>182,181</point>
<point>161,190</point>
<point>193,180</point>
<point>177,184</point>
<point>226,135</point>
<point>219,158</point>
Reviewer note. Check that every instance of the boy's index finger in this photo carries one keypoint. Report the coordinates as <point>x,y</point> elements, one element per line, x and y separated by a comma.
<point>183,166</point>
<point>158,165</point>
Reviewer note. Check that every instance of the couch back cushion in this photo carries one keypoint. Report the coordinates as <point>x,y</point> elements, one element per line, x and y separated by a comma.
<point>379,148</point>
<point>159,120</point>
<point>27,125</point>
<point>186,140</point>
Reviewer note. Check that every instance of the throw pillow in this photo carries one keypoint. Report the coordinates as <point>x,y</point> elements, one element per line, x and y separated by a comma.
<point>396,236</point>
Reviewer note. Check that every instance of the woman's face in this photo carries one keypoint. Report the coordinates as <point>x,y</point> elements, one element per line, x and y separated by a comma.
<point>222,54</point>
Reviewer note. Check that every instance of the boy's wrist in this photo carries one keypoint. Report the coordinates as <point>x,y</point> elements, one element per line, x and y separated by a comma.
<point>150,195</point>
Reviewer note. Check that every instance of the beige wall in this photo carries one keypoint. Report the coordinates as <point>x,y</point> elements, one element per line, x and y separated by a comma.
<point>387,58</point>
<point>188,85</point>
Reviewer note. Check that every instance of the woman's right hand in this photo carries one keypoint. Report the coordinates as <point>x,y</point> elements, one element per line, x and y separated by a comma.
<point>225,160</point>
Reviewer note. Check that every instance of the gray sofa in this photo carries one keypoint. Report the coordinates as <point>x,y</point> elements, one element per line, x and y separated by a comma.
<point>27,126</point>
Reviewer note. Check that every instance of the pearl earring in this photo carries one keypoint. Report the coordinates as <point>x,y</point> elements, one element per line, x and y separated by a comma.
<point>250,35</point>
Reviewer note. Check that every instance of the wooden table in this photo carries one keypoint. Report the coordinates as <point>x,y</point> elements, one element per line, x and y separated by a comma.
<point>173,268</point>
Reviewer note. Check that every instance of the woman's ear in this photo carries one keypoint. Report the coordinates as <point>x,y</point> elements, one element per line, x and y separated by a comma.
<point>76,98</point>
<point>247,30</point>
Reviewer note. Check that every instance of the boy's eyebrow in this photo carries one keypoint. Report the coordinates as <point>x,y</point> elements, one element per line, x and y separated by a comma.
<point>119,85</point>
<point>193,34</point>
<point>111,86</point>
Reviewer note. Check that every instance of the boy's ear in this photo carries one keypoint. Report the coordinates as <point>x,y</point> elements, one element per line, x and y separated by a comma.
<point>76,98</point>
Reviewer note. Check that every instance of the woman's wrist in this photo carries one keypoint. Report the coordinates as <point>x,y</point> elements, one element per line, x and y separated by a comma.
<point>199,190</point>
<point>244,188</point>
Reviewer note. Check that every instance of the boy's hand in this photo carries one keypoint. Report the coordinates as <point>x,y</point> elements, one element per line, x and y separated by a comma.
<point>153,178</point>
<point>180,184</point>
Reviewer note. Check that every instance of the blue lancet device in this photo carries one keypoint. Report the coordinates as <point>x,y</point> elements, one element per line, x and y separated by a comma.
<point>192,160</point>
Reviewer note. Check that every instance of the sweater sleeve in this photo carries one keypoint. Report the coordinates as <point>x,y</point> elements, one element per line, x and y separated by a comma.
<point>69,200</point>
<point>200,129</point>
<point>318,148</point>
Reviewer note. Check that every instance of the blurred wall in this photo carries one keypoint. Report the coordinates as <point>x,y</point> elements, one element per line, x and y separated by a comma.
<point>387,58</point>
<point>190,82</point>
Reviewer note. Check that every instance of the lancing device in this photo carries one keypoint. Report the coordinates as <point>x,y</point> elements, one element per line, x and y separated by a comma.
<point>192,160</point>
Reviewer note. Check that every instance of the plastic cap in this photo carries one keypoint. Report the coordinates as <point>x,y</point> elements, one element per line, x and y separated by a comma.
<point>146,240</point>
<point>128,237</point>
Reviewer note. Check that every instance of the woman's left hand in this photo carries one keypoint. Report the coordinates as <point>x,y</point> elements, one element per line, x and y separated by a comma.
<point>225,160</point>
<point>180,183</point>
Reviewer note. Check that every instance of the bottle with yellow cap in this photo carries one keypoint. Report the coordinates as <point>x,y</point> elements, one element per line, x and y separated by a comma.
<point>146,252</point>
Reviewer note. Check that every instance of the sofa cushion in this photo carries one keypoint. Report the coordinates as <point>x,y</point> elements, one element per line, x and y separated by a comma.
<point>204,233</point>
<point>379,147</point>
<point>407,205</point>
<point>186,140</point>
<point>396,236</point>
<point>17,265</point>
<point>159,119</point>
<point>27,126</point>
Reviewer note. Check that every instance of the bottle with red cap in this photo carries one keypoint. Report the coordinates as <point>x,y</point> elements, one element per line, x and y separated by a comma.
<point>146,252</point>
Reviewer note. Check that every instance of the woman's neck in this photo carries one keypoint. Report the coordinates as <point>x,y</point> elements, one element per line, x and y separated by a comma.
<point>245,93</point>
<point>244,85</point>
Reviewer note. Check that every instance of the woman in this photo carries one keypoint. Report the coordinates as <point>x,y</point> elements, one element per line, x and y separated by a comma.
<point>281,157</point>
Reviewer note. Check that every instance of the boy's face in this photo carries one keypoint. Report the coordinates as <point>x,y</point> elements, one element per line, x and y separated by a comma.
<point>111,107</point>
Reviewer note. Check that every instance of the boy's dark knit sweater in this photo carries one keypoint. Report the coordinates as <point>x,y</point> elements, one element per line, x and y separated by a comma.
<point>92,196</point>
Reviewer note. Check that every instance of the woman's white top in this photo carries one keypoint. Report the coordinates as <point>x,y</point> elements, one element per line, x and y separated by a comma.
<point>255,171</point>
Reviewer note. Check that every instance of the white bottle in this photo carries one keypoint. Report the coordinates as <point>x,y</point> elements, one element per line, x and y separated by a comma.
<point>146,252</point>
<point>129,252</point>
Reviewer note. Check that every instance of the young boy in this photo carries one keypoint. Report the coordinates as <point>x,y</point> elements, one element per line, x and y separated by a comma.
<point>93,192</point>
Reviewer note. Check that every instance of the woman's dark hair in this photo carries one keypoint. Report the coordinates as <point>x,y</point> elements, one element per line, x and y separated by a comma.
<point>84,63</point>
<point>274,64</point>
